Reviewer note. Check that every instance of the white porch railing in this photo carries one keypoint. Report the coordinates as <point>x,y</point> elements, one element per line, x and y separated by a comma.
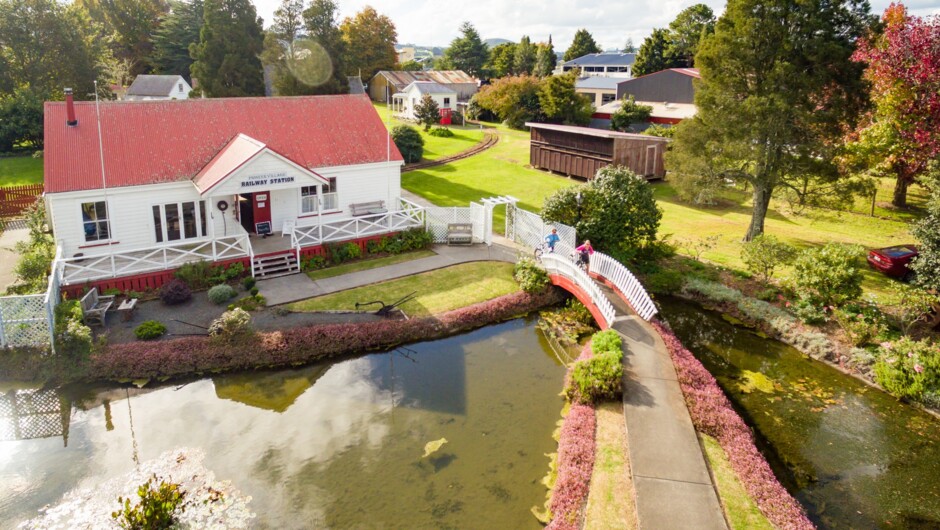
<point>625,282</point>
<point>82,269</point>
<point>409,216</point>
<point>560,264</point>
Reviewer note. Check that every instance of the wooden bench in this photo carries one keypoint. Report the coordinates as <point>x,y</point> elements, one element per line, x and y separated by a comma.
<point>368,208</point>
<point>459,234</point>
<point>95,308</point>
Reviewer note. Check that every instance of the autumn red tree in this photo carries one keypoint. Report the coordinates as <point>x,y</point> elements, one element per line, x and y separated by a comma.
<point>902,133</point>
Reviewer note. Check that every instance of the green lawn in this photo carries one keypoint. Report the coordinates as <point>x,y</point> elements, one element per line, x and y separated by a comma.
<point>741,510</point>
<point>436,147</point>
<point>20,170</point>
<point>367,264</point>
<point>437,291</point>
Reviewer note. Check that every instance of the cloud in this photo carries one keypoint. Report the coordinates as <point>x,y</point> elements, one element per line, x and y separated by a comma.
<point>611,23</point>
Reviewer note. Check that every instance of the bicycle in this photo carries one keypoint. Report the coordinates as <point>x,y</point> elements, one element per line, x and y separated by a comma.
<point>578,259</point>
<point>541,249</point>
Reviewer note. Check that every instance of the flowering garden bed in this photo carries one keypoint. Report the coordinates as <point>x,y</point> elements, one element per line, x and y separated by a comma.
<point>195,355</point>
<point>713,415</point>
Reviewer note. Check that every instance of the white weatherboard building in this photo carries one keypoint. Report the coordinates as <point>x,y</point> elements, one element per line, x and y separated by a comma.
<point>214,179</point>
<point>159,87</point>
<point>404,103</point>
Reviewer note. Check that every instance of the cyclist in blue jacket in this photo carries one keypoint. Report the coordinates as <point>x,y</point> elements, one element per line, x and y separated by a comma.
<point>552,239</point>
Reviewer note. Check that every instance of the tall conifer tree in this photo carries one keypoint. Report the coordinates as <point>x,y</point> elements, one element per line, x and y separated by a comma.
<point>226,60</point>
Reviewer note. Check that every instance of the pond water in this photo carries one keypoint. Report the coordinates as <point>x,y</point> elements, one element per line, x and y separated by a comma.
<point>333,445</point>
<point>852,455</point>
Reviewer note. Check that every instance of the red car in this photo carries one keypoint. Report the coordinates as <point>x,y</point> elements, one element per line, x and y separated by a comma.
<point>893,261</point>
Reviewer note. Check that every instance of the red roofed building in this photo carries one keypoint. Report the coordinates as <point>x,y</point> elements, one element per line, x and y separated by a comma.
<point>210,178</point>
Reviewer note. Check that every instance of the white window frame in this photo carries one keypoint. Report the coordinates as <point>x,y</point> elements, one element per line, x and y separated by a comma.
<point>164,226</point>
<point>330,199</point>
<point>106,221</point>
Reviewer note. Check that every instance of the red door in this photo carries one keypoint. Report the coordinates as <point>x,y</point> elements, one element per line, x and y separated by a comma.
<point>261,203</point>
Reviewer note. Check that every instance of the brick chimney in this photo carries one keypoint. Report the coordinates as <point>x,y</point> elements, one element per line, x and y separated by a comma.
<point>70,109</point>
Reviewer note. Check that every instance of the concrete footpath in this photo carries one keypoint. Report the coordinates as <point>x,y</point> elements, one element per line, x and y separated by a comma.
<point>296,287</point>
<point>674,489</point>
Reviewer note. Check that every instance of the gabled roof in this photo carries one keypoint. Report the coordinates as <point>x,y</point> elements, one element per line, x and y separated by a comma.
<point>603,59</point>
<point>445,77</point>
<point>691,72</point>
<point>241,150</point>
<point>152,142</point>
<point>429,87</point>
<point>154,85</point>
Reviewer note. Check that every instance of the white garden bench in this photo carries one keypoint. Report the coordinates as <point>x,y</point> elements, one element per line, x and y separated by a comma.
<point>368,208</point>
<point>459,234</point>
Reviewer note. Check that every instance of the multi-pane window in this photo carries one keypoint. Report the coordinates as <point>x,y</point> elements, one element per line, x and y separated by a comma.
<point>607,98</point>
<point>95,221</point>
<point>181,87</point>
<point>308,197</point>
<point>446,103</point>
<point>176,221</point>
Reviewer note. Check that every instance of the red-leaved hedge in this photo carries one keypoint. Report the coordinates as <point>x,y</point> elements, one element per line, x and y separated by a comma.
<point>713,415</point>
<point>575,464</point>
<point>177,357</point>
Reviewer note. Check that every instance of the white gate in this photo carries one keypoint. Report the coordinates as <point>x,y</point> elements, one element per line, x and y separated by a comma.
<point>529,230</point>
<point>478,215</point>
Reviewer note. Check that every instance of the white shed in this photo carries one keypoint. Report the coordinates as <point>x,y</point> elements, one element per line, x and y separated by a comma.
<point>158,87</point>
<point>404,103</point>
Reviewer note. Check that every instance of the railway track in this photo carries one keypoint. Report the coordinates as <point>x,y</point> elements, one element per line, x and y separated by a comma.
<point>489,140</point>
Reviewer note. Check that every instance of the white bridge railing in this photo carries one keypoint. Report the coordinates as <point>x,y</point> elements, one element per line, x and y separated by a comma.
<point>409,216</point>
<point>83,269</point>
<point>562,264</point>
<point>625,282</point>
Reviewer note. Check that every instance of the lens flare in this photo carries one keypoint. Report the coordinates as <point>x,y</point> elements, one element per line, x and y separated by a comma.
<point>309,62</point>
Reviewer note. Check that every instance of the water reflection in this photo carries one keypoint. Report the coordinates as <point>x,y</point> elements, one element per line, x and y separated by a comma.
<point>854,456</point>
<point>333,445</point>
<point>27,414</point>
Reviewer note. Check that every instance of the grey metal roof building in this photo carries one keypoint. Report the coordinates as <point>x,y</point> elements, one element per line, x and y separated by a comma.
<point>430,87</point>
<point>616,64</point>
<point>673,85</point>
<point>158,87</point>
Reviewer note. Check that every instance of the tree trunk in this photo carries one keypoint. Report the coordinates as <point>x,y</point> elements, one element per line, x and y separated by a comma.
<point>761,203</point>
<point>900,191</point>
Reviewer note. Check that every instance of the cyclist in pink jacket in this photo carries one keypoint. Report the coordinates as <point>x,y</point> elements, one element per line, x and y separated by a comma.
<point>585,251</point>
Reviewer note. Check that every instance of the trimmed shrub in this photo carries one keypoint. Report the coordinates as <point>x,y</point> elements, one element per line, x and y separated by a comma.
<point>607,341</point>
<point>664,281</point>
<point>220,294</point>
<point>254,291</point>
<point>343,253</point>
<point>150,330</point>
<point>714,415</point>
<point>249,303</point>
<point>828,275</point>
<point>596,379</point>
<point>763,254</point>
<point>231,324</point>
<point>909,369</point>
<point>197,275</point>
<point>234,271</point>
<point>409,142</point>
<point>441,132</point>
<point>175,292</point>
<point>248,282</point>
<point>531,277</point>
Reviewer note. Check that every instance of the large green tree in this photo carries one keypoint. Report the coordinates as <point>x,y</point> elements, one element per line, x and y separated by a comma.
<point>616,210</point>
<point>654,54</point>
<point>281,50</point>
<point>321,20</point>
<point>178,29</point>
<point>524,56</point>
<point>582,45</point>
<point>927,231</point>
<point>513,99</point>
<point>778,89</point>
<point>500,61</point>
<point>46,46</point>
<point>129,26</point>
<point>628,114</point>
<point>545,59</point>
<point>561,103</point>
<point>370,43</point>
<point>227,58</point>
<point>468,52</point>
<point>688,29</point>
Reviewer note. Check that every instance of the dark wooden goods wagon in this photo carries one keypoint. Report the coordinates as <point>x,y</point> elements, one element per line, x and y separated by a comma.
<point>581,151</point>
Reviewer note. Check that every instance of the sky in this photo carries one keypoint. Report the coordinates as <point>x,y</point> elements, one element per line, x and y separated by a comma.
<point>611,22</point>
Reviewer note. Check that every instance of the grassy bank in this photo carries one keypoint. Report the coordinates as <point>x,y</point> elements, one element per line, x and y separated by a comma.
<point>367,264</point>
<point>436,291</point>
<point>740,510</point>
<point>20,170</point>
<point>436,147</point>
<point>611,500</point>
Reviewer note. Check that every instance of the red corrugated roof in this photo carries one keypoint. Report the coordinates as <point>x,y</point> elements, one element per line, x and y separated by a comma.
<point>150,142</point>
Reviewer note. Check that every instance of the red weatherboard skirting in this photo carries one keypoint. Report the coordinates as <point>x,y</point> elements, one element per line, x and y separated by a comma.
<point>151,281</point>
<point>573,288</point>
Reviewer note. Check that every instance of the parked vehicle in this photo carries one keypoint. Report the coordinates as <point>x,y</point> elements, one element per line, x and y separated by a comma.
<point>893,261</point>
